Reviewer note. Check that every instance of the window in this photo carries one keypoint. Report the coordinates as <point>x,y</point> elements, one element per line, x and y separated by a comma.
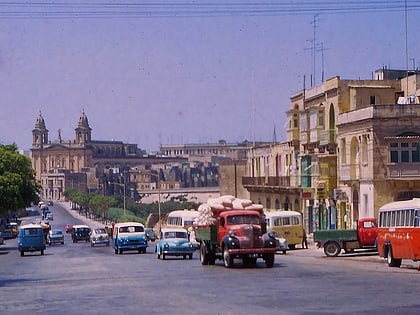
<point>415,152</point>
<point>393,150</point>
<point>321,118</point>
<point>405,156</point>
<point>372,100</point>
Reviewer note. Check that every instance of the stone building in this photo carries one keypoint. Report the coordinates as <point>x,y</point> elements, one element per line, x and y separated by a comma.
<point>86,164</point>
<point>351,147</point>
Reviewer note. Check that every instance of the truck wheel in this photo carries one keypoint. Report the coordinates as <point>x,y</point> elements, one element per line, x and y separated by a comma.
<point>269,260</point>
<point>227,258</point>
<point>332,249</point>
<point>204,257</point>
<point>392,262</point>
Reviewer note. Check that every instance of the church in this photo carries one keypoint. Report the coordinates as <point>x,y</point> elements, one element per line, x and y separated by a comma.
<point>85,164</point>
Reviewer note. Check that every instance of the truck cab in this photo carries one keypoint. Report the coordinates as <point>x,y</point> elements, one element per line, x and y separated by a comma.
<point>367,231</point>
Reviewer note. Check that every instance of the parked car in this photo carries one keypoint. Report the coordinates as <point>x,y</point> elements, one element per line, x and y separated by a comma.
<point>55,236</point>
<point>31,239</point>
<point>80,233</point>
<point>150,234</point>
<point>99,236</point>
<point>174,242</point>
<point>69,228</point>
<point>281,242</point>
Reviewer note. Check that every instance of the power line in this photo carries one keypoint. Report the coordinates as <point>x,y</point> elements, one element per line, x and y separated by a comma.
<point>34,10</point>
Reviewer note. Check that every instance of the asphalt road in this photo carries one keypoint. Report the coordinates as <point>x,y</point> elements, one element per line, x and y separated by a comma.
<point>79,279</point>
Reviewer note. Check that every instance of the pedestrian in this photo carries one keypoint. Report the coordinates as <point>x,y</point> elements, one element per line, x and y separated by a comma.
<point>304,240</point>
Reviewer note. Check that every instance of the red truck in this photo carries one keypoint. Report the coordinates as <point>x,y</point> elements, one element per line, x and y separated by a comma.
<point>333,241</point>
<point>234,228</point>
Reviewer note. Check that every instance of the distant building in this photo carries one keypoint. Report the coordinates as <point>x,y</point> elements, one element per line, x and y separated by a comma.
<point>83,163</point>
<point>208,152</point>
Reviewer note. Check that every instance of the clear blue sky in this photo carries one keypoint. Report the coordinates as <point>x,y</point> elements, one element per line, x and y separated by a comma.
<point>185,72</point>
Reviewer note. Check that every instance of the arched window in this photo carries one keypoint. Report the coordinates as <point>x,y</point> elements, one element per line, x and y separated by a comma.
<point>268,203</point>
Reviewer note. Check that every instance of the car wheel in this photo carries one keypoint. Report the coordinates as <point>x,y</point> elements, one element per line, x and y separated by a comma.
<point>42,252</point>
<point>190,256</point>
<point>116,251</point>
<point>22,253</point>
<point>204,257</point>
<point>392,262</point>
<point>332,249</point>
<point>269,260</point>
<point>284,252</point>
<point>120,251</point>
<point>227,258</point>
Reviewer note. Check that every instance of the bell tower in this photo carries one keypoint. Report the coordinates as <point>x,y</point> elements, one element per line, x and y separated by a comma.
<point>39,133</point>
<point>83,131</point>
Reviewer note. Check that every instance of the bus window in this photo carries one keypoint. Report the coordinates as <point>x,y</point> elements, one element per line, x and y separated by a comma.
<point>416,218</point>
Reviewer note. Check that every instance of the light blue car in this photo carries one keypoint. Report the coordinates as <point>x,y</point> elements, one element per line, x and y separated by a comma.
<point>174,242</point>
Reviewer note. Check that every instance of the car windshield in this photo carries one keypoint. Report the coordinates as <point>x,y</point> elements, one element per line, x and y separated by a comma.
<point>100,231</point>
<point>131,229</point>
<point>176,235</point>
<point>243,219</point>
<point>57,232</point>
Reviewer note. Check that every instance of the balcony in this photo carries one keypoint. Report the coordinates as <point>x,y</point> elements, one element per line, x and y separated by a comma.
<point>403,171</point>
<point>269,181</point>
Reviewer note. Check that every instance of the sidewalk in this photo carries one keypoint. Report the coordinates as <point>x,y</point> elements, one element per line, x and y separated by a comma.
<point>75,213</point>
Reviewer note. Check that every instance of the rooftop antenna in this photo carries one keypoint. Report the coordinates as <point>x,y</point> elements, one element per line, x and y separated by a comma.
<point>253,109</point>
<point>406,43</point>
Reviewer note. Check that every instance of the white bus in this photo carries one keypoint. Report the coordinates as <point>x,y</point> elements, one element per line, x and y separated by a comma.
<point>184,219</point>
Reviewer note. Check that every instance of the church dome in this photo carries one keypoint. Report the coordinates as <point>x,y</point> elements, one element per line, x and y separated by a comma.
<point>83,121</point>
<point>40,122</point>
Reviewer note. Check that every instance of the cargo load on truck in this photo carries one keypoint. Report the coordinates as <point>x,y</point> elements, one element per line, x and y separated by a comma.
<point>230,228</point>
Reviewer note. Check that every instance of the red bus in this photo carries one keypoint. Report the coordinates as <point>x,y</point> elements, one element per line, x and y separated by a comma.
<point>399,231</point>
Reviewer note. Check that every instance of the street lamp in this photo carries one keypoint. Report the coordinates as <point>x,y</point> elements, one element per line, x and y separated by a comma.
<point>121,185</point>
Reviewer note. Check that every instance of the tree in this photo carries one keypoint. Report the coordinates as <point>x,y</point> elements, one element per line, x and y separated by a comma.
<point>18,184</point>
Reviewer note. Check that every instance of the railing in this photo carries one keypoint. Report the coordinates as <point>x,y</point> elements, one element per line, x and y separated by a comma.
<point>403,171</point>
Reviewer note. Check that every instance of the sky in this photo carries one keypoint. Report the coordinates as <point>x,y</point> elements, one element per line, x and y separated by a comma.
<point>186,72</point>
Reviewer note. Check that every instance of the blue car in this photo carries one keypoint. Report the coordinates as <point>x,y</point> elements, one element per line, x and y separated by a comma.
<point>174,242</point>
<point>30,239</point>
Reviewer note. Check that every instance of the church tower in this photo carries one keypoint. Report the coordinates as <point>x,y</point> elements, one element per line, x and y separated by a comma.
<point>39,133</point>
<point>83,131</point>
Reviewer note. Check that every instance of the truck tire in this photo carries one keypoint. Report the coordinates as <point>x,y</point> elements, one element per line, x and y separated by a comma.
<point>204,257</point>
<point>392,262</point>
<point>227,258</point>
<point>332,249</point>
<point>269,260</point>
